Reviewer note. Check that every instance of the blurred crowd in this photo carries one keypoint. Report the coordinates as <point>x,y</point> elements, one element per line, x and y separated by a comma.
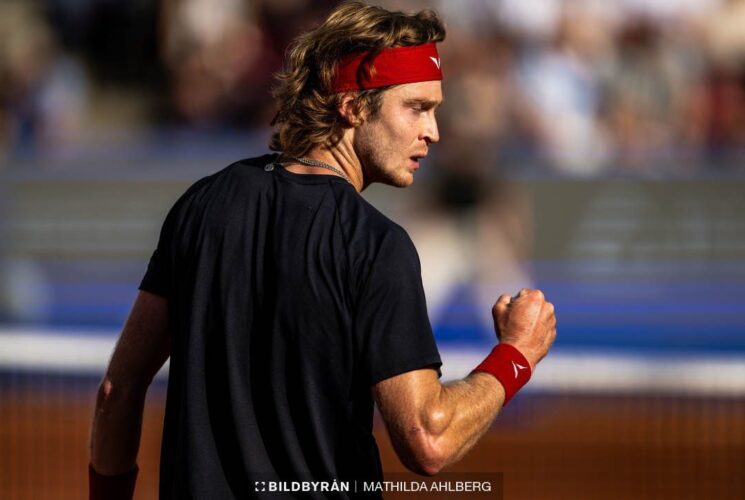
<point>575,87</point>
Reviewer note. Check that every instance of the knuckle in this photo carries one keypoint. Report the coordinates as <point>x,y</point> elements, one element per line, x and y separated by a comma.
<point>532,294</point>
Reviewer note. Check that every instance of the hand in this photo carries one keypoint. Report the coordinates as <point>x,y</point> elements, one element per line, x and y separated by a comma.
<point>527,322</point>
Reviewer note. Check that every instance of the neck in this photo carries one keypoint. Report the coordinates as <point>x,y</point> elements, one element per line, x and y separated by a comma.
<point>341,156</point>
<point>343,159</point>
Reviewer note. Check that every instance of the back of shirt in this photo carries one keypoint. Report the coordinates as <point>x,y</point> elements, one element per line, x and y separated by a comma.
<point>289,296</point>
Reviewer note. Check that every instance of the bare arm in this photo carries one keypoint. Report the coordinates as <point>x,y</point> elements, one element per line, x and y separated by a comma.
<point>434,425</point>
<point>141,351</point>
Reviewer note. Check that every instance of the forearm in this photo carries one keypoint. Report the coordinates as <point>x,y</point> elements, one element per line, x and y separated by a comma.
<point>117,425</point>
<point>439,423</point>
<point>141,351</point>
<point>433,425</point>
<point>463,412</point>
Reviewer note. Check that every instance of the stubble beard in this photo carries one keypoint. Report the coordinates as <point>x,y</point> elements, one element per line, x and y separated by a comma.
<point>371,154</point>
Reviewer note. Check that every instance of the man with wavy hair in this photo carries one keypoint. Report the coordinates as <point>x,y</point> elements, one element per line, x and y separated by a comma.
<point>289,305</point>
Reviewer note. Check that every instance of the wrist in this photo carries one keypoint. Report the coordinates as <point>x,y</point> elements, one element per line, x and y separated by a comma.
<point>118,487</point>
<point>509,367</point>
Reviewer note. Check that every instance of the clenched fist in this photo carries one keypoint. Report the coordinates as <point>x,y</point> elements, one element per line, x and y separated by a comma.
<point>527,322</point>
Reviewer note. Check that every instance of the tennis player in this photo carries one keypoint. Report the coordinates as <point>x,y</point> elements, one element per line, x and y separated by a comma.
<point>289,305</point>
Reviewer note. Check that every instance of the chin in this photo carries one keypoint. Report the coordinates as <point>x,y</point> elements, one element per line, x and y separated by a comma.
<point>397,177</point>
<point>402,181</point>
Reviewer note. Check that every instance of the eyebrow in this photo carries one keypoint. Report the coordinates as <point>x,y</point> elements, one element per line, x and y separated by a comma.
<point>425,103</point>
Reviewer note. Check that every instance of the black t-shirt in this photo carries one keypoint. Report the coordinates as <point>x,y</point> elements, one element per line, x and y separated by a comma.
<point>289,296</point>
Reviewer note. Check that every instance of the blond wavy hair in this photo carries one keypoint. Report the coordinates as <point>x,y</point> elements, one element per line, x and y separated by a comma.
<point>307,114</point>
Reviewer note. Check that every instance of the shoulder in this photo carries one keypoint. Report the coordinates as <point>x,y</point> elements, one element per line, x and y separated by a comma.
<point>231,177</point>
<point>247,167</point>
<point>366,226</point>
<point>360,214</point>
<point>374,241</point>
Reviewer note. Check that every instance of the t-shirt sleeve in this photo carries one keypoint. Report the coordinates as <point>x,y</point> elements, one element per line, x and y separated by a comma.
<point>392,316</point>
<point>158,277</point>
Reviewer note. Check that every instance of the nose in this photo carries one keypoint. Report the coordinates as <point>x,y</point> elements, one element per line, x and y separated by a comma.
<point>430,133</point>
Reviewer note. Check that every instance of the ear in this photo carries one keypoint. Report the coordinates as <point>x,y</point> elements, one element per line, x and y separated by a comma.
<point>349,110</point>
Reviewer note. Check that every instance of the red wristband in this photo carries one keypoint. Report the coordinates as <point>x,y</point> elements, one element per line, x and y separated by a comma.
<point>119,487</point>
<point>509,366</point>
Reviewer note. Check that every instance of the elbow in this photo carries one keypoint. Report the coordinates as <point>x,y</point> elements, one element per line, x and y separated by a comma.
<point>431,468</point>
<point>426,458</point>
<point>110,393</point>
<point>428,453</point>
<point>105,394</point>
<point>428,470</point>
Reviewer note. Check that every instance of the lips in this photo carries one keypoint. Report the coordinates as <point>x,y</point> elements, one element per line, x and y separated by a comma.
<point>415,159</point>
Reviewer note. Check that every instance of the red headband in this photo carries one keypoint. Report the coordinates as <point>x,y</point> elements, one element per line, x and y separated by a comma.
<point>418,63</point>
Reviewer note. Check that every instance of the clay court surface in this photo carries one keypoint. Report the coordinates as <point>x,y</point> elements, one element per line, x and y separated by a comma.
<point>545,446</point>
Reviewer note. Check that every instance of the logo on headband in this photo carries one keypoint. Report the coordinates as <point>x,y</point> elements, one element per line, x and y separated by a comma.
<point>436,60</point>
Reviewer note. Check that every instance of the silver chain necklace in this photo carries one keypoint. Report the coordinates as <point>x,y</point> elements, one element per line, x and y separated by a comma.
<point>315,163</point>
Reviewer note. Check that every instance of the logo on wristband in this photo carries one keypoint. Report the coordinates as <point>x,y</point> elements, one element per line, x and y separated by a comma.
<point>498,363</point>
<point>517,367</point>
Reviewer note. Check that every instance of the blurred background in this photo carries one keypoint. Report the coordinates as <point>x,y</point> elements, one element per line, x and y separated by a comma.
<point>592,148</point>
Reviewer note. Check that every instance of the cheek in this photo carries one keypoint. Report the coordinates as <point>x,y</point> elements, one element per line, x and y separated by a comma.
<point>407,123</point>
<point>386,142</point>
<point>402,132</point>
<point>370,144</point>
